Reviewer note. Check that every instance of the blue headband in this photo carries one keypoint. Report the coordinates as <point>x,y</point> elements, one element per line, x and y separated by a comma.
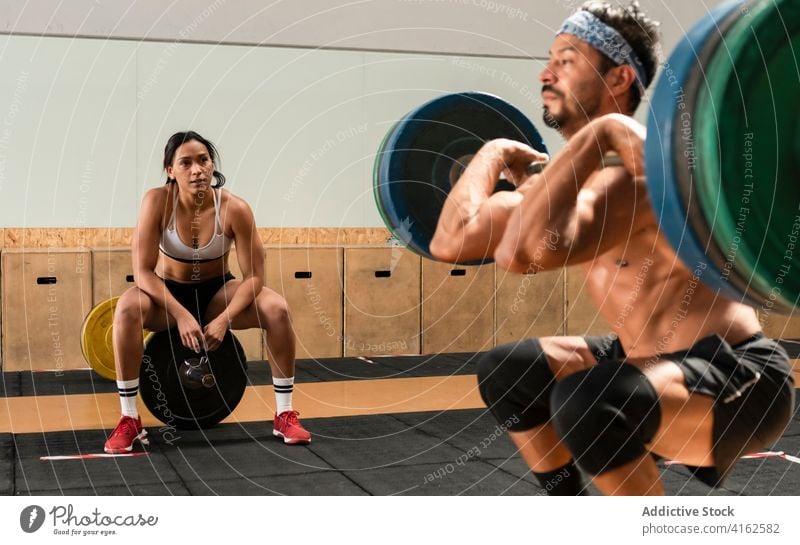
<point>586,26</point>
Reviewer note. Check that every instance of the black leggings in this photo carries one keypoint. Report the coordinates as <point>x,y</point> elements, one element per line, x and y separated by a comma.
<point>196,296</point>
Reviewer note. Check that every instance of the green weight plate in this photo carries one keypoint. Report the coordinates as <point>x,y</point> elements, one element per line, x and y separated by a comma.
<point>747,154</point>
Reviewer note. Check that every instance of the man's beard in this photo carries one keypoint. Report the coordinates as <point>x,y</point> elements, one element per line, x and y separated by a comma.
<point>590,105</point>
<point>554,122</point>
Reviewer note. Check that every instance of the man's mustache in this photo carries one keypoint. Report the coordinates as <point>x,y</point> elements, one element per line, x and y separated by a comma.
<point>550,89</point>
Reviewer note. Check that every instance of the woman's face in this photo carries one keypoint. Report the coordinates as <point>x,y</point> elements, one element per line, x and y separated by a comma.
<point>192,167</point>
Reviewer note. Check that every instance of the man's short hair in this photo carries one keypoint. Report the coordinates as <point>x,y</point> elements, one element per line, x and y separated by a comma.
<point>639,31</point>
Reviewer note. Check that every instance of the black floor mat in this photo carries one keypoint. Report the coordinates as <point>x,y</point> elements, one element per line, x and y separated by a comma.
<point>7,458</point>
<point>449,479</point>
<point>115,475</point>
<point>429,453</point>
<point>318,483</point>
<point>238,452</point>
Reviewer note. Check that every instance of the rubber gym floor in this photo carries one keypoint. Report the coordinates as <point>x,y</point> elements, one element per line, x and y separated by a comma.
<point>393,425</point>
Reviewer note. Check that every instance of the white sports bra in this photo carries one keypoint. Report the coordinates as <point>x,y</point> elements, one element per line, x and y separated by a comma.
<point>173,247</point>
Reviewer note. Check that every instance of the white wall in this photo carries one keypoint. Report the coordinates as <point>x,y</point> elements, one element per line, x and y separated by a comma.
<point>479,27</point>
<point>83,121</point>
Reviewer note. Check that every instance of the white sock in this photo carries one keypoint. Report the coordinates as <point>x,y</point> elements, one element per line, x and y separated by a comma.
<point>127,396</point>
<point>283,393</point>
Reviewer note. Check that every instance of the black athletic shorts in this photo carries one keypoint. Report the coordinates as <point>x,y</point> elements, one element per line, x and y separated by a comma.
<point>751,384</point>
<point>195,296</point>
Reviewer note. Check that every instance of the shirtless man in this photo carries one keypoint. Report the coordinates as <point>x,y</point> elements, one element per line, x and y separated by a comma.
<point>688,374</point>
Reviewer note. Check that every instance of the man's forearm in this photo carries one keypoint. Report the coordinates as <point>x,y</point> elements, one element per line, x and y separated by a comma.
<point>541,233</point>
<point>554,206</point>
<point>468,195</point>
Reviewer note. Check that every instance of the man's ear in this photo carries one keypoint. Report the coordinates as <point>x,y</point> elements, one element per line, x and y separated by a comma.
<point>620,79</point>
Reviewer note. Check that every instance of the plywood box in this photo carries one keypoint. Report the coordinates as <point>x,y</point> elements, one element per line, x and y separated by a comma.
<point>457,308</point>
<point>382,301</point>
<point>582,317</point>
<point>529,305</point>
<point>46,295</point>
<point>112,273</point>
<point>311,280</point>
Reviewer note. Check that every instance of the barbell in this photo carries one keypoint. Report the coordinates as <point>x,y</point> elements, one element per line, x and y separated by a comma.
<point>722,150</point>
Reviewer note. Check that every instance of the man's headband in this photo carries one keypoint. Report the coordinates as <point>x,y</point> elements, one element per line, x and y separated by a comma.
<point>586,26</point>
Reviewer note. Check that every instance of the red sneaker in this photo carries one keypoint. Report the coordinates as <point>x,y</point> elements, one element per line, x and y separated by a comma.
<point>127,431</point>
<point>287,426</point>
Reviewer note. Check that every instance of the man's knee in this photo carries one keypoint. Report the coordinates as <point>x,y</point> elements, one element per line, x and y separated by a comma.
<point>605,415</point>
<point>515,381</point>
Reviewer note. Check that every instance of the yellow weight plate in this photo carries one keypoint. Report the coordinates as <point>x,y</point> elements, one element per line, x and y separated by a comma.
<point>97,338</point>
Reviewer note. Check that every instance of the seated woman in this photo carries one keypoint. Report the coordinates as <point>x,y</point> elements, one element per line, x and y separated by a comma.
<point>194,285</point>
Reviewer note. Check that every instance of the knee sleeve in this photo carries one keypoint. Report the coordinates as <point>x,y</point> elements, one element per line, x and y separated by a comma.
<point>515,382</point>
<point>605,415</point>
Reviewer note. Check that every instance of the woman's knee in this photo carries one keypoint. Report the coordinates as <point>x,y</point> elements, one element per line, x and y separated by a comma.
<point>274,309</point>
<point>132,308</point>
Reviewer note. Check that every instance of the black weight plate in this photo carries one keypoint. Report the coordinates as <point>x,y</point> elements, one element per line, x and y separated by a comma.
<point>421,155</point>
<point>175,404</point>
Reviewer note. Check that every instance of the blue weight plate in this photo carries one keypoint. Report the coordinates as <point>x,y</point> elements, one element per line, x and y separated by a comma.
<point>660,151</point>
<point>413,171</point>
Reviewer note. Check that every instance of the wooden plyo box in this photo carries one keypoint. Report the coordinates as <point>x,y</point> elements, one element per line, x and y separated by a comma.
<point>582,317</point>
<point>529,305</point>
<point>311,280</point>
<point>382,301</point>
<point>46,295</point>
<point>112,273</point>
<point>457,308</point>
<point>778,326</point>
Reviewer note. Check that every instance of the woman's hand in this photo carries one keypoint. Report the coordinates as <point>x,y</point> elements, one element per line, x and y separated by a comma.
<point>190,332</point>
<point>214,332</point>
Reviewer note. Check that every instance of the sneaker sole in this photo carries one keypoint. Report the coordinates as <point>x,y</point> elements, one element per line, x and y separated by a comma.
<point>288,441</point>
<point>142,438</point>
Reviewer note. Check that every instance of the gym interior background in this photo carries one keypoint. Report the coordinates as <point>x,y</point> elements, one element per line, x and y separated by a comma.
<point>297,97</point>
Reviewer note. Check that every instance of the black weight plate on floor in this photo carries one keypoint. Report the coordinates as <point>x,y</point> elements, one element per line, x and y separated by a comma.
<point>172,400</point>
